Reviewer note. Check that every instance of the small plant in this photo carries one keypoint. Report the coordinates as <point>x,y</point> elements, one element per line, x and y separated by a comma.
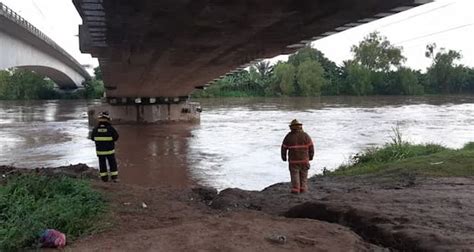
<point>395,150</point>
<point>397,137</point>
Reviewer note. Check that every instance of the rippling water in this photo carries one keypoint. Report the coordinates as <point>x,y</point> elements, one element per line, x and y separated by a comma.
<point>237,143</point>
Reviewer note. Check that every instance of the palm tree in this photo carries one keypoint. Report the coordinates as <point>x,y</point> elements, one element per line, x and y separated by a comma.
<point>264,68</point>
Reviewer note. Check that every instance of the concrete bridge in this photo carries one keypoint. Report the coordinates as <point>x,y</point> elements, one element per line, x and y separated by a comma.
<point>159,51</point>
<point>23,46</point>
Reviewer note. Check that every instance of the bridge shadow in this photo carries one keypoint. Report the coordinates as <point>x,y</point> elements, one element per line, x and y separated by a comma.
<point>154,155</point>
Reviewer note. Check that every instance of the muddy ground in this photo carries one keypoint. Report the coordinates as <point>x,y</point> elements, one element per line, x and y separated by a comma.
<point>405,213</point>
<point>338,214</point>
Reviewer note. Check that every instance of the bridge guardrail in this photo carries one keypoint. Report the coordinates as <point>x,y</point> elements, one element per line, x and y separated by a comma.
<point>19,20</point>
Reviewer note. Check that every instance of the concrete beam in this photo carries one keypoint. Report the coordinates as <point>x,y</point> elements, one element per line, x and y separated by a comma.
<point>156,46</point>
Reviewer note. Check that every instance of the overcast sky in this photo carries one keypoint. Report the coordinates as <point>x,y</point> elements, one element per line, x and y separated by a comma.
<point>449,23</point>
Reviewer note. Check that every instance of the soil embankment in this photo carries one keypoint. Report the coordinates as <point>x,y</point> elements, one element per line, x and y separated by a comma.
<point>409,214</point>
<point>170,219</point>
<point>339,214</point>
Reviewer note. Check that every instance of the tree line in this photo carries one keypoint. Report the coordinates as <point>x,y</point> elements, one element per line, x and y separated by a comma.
<point>376,68</point>
<point>21,84</point>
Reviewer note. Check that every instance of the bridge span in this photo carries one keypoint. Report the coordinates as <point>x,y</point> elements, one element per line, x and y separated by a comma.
<point>24,46</point>
<point>159,51</point>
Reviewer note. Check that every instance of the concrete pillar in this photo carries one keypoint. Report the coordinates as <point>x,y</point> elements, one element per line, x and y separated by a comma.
<point>183,111</point>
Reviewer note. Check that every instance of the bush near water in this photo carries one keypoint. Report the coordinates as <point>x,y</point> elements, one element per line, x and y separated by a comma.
<point>21,84</point>
<point>399,157</point>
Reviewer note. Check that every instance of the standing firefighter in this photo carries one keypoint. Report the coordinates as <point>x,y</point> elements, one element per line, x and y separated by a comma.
<point>104,136</point>
<point>300,149</point>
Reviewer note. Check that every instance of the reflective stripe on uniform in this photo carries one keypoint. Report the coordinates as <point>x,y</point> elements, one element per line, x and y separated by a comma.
<point>115,173</point>
<point>306,161</point>
<point>103,153</point>
<point>102,130</point>
<point>103,139</point>
<point>103,174</point>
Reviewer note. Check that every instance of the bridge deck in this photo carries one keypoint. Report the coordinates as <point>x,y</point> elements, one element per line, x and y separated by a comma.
<point>163,48</point>
<point>17,26</point>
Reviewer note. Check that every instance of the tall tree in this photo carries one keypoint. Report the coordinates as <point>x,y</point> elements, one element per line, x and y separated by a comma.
<point>403,82</point>
<point>310,78</point>
<point>376,53</point>
<point>264,68</point>
<point>358,79</point>
<point>4,79</point>
<point>98,73</point>
<point>332,72</point>
<point>285,76</point>
<point>444,74</point>
<point>28,85</point>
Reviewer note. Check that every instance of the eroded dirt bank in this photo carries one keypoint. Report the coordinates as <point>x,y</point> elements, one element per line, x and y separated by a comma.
<point>180,220</point>
<point>164,218</point>
<point>339,214</point>
<point>406,213</point>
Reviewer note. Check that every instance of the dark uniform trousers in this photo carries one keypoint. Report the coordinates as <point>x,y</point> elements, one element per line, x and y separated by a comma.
<point>104,136</point>
<point>104,174</point>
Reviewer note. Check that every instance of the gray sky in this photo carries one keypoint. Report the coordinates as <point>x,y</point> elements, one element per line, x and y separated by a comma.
<point>449,23</point>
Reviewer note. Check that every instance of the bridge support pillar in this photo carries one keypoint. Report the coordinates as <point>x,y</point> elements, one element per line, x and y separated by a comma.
<point>147,110</point>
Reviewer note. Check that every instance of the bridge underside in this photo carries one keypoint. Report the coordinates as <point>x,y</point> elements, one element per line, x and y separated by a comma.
<point>164,48</point>
<point>17,53</point>
<point>24,46</point>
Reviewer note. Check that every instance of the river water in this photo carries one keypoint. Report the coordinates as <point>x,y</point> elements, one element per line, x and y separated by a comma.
<point>237,143</point>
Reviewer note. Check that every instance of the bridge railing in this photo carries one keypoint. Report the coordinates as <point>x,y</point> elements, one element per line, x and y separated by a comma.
<point>19,20</point>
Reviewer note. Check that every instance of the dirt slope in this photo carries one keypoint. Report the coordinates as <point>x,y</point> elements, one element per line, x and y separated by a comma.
<point>338,214</point>
<point>408,213</point>
<point>180,220</point>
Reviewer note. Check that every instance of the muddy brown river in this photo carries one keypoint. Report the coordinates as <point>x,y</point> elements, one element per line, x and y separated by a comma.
<point>237,142</point>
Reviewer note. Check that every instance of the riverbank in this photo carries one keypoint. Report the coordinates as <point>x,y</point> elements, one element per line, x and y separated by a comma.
<point>33,201</point>
<point>364,212</point>
<point>400,196</point>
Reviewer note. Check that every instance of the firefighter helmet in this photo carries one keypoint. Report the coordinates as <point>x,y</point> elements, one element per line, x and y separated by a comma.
<point>104,116</point>
<point>295,123</point>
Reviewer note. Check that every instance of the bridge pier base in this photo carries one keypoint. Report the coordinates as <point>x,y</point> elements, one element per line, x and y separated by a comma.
<point>146,111</point>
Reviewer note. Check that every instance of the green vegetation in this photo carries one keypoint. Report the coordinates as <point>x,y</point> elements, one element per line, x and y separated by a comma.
<point>399,157</point>
<point>377,68</point>
<point>29,204</point>
<point>25,85</point>
<point>93,89</point>
<point>20,84</point>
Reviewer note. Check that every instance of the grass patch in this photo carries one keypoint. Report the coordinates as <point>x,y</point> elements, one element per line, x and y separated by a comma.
<point>469,146</point>
<point>425,160</point>
<point>29,204</point>
<point>398,158</point>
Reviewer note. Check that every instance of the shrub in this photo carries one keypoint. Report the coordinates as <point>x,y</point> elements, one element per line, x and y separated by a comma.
<point>469,146</point>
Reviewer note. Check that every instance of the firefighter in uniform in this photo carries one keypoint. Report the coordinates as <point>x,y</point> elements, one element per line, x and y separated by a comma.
<point>105,136</point>
<point>299,149</point>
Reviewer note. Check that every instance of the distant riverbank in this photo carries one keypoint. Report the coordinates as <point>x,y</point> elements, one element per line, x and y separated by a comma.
<point>21,84</point>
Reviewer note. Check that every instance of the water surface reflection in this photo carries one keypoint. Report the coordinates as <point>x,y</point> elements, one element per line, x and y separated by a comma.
<point>151,154</point>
